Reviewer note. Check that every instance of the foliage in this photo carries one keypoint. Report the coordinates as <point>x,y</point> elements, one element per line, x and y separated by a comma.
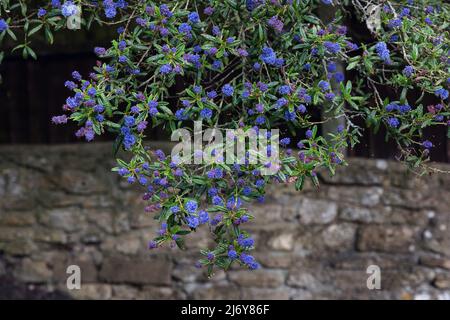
<point>244,64</point>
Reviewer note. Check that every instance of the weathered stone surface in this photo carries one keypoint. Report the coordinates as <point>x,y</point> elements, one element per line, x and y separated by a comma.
<point>50,235</point>
<point>17,218</point>
<point>33,271</point>
<point>79,182</point>
<point>442,281</point>
<point>273,259</point>
<point>61,205</point>
<point>284,241</point>
<point>21,247</point>
<point>360,214</point>
<point>125,292</point>
<point>15,233</point>
<point>306,279</point>
<point>188,273</point>
<point>258,278</point>
<point>161,293</point>
<point>221,291</point>
<point>93,291</point>
<point>267,213</point>
<point>386,238</point>
<point>265,294</point>
<point>89,273</point>
<point>136,271</point>
<point>435,262</point>
<point>340,237</point>
<point>67,219</point>
<point>317,211</point>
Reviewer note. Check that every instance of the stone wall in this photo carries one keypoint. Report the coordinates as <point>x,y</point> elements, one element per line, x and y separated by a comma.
<point>61,205</point>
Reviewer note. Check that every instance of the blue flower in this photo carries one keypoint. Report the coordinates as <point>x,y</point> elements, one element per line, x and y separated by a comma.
<point>129,121</point>
<point>331,67</point>
<point>285,89</point>
<point>232,254</point>
<point>59,119</point>
<point>191,206</point>
<point>332,47</point>
<point>339,77</point>
<point>69,9</point>
<point>245,242</point>
<point>330,96</point>
<point>395,23</point>
<point>194,17</point>
<point>281,103</point>
<point>427,144</point>
<point>230,40</point>
<point>76,75</point>
<point>393,122</point>
<point>211,94</point>
<point>143,180</point>
<point>234,203</point>
<point>184,28</point>
<point>92,92</point>
<point>217,201</point>
<point>208,11</point>
<point>128,141</point>
<point>252,4</point>
<point>165,11</point>
<point>276,23</point>
<point>192,222</point>
<point>324,85</point>
<point>383,52</point>
<point>408,71</point>
<point>227,90</point>
<point>181,114</point>
<point>203,217</point>
<point>246,191</point>
<point>206,113</point>
<point>391,107</point>
<point>285,141</point>
<point>394,38</point>
<point>110,11</point>
<point>268,56</point>
<point>41,12</point>
<point>215,31</point>
<point>165,69</point>
<point>122,45</point>
<point>441,93</point>
<point>99,51</point>
<point>404,108</point>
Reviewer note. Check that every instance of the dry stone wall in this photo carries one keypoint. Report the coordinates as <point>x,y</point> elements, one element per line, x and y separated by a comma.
<point>61,205</point>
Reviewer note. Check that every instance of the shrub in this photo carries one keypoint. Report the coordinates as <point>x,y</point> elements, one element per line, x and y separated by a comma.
<point>258,64</point>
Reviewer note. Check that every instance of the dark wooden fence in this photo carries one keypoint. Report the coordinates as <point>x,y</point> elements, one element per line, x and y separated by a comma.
<point>33,91</point>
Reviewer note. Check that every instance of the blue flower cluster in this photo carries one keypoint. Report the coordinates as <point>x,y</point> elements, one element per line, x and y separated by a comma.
<point>238,78</point>
<point>383,52</point>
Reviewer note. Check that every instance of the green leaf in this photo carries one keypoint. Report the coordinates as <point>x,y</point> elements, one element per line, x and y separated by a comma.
<point>35,29</point>
<point>48,35</point>
<point>31,53</point>
<point>11,34</point>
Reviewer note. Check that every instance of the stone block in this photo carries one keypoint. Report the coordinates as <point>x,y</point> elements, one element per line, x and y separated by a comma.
<point>258,278</point>
<point>314,211</point>
<point>386,238</point>
<point>136,271</point>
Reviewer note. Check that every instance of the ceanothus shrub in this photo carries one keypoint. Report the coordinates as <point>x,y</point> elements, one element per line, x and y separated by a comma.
<point>258,64</point>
